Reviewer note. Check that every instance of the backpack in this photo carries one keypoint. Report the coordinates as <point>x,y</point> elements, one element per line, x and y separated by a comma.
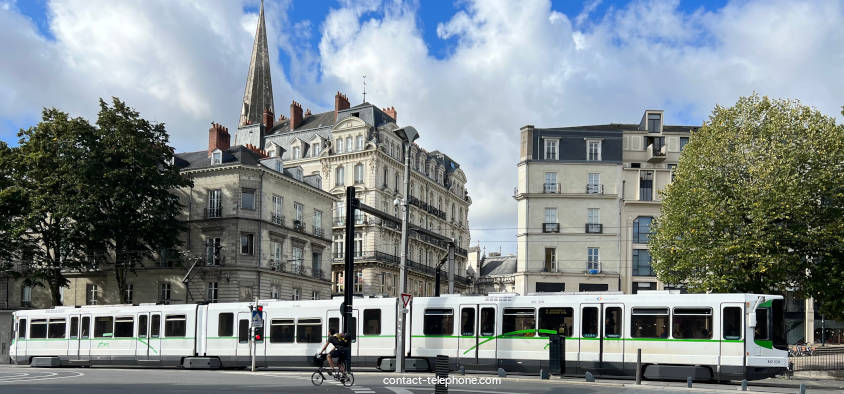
<point>342,339</point>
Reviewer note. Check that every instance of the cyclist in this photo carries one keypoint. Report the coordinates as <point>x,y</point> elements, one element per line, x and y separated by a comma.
<point>341,345</point>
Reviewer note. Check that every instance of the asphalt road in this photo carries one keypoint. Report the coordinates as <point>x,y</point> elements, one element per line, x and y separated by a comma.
<point>21,379</point>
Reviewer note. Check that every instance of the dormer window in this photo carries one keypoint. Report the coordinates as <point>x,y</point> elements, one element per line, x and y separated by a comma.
<point>593,150</point>
<point>216,157</point>
<point>315,149</point>
<point>296,153</point>
<point>654,123</point>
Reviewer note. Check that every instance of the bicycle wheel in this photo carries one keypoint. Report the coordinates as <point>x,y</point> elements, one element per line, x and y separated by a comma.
<point>317,378</point>
<point>348,380</point>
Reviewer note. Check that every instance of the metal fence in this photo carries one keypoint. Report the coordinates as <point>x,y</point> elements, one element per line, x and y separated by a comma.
<point>822,360</point>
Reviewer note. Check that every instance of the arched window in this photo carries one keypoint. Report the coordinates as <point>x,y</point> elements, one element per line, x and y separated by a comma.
<point>397,181</point>
<point>642,229</point>
<point>385,176</point>
<point>340,177</point>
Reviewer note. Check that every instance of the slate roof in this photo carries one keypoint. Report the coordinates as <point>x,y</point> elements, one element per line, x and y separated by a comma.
<point>498,265</point>
<point>620,127</point>
<point>315,121</point>
<point>200,159</point>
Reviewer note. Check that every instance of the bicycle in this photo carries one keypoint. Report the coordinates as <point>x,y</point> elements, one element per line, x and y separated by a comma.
<point>345,378</point>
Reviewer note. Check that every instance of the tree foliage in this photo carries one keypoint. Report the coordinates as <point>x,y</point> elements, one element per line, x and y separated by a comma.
<point>758,204</point>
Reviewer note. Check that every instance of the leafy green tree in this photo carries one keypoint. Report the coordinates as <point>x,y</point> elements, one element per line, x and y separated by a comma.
<point>758,204</point>
<point>130,179</point>
<point>12,205</point>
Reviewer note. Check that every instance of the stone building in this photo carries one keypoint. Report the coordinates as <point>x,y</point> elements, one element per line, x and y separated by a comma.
<point>586,197</point>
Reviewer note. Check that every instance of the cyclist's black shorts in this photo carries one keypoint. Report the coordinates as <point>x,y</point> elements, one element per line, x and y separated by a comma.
<point>338,353</point>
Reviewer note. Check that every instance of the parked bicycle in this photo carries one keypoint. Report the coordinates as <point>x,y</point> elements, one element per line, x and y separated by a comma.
<point>341,375</point>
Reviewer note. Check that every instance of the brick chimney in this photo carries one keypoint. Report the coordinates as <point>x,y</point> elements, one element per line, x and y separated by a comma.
<point>390,111</point>
<point>307,112</point>
<point>341,102</point>
<point>295,115</point>
<point>218,138</point>
<point>268,119</point>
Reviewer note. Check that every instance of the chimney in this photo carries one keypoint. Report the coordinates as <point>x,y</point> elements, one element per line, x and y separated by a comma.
<point>218,138</point>
<point>390,111</point>
<point>268,119</point>
<point>341,102</point>
<point>307,112</point>
<point>295,115</point>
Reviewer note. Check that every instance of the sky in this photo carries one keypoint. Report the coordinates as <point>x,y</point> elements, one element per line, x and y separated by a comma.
<point>466,74</point>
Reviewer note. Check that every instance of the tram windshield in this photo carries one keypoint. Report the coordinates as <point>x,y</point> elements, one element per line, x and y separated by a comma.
<point>770,325</point>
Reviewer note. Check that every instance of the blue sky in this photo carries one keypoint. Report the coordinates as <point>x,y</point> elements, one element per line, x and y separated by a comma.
<point>467,74</point>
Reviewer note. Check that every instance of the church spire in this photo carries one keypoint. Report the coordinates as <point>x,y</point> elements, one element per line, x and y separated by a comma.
<point>258,95</point>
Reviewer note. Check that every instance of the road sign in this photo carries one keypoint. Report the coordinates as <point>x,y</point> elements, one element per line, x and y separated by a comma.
<point>405,299</point>
<point>257,321</point>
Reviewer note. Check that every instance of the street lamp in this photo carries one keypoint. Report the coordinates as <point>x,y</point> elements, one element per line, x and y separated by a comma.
<point>408,135</point>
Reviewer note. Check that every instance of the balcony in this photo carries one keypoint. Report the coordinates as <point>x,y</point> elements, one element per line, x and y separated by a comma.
<point>299,225</point>
<point>318,231</point>
<point>211,213</point>
<point>656,153</point>
<point>277,219</point>
<point>593,267</point>
<point>593,188</point>
<point>339,221</point>
<point>594,228</point>
<point>551,188</point>
<point>550,227</point>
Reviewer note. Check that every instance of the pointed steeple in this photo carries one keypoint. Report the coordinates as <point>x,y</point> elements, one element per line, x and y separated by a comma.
<point>258,95</point>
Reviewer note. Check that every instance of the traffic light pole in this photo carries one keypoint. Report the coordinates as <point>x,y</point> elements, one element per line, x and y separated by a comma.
<point>349,250</point>
<point>254,348</point>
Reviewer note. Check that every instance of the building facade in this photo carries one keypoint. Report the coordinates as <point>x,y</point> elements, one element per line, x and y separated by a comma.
<point>586,197</point>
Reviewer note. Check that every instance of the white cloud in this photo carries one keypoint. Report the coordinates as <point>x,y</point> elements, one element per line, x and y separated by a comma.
<point>514,63</point>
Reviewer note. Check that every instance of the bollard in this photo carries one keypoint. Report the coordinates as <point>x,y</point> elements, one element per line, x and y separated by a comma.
<point>590,377</point>
<point>562,356</point>
<point>802,388</point>
<point>543,374</point>
<point>462,370</point>
<point>639,366</point>
<point>441,367</point>
<point>689,381</point>
<point>502,373</point>
<point>744,385</point>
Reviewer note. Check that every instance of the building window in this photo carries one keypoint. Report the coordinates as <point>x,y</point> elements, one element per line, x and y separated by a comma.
<point>297,294</point>
<point>593,262</point>
<point>551,149</point>
<point>339,248</point>
<point>358,173</point>
<point>274,293</point>
<point>212,251</point>
<point>551,183</point>
<point>164,293</point>
<point>216,157</point>
<point>654,121</point>
<point>359,141</point>
<point>358,244</point>
<point>338,282</point>
<point>642,229</point>
<point>593,150</point>
<point>646,182</point>
<point>339,145</point>
<point>246,243</point>
<point>213,290</point>
<point>129,293</point>
<point>26,295</point>
<point>215,203</point>
<point>317,222</point>
<point>340,177</point>
<point>551,260</point>
<point>642,263</point>
<point>300,211</point>
<point>247,199</point>
<point>92,294</point>
<point>316,149</point>
<point>278,205</point>
<point>550,225</point>
<point>683,142</point>
<point>358,282</point>
<point>298,260</point>
<point>349,146</point>
<point>593,184</point>
<point>386,175</point>
<point>296,153</point>
<point>314,295</point>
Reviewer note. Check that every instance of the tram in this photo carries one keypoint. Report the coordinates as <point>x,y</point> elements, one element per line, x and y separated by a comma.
<point>706,336</point>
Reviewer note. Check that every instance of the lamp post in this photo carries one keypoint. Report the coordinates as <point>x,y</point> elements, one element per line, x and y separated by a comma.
<point>408,135</point>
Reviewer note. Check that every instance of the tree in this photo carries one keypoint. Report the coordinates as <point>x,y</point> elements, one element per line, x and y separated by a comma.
<point>130,178</point>
<point>12,205</point>
<point>44,191</point>
<point>758,204</point>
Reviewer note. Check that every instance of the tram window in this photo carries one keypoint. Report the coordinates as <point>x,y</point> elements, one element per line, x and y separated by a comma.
<point>155,326</point>
<point>22,328</point>
<point>142,326</point>
<point>334,322</point>
<point>372,322</point>
<point>309,330</point>
<point>589,325</point>
<point>38,328</point>
<point>175,326</point>
<point>488,321</point>
<point>74,327</point>
<point>761,330</point>
<point>225,325</point>
<point>467,322</point>
<point>243,331</point>
<point>56,328</point>
<point>439,322</point>
<point>560,320</point>
<point>519,322</point>
<point>282,330</point>
<point>649,323</point>
<point>778,325</point>
<point>732,323</point>
<point>612,322</point>
<point>103,326</point>
<point>692,323</point>
<point>86,327</point>
<point>124,327</point>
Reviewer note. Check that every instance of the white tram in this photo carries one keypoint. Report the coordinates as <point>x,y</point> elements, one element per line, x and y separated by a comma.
<point>708,336</point>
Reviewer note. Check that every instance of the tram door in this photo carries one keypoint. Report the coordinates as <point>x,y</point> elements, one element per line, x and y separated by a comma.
<point>335,321</point>
<point>148,345</point>
<point>731,345</point>
<point>590,335</point>
<point>612,348</point>
<point>78,344</point>
<point>477,344</point>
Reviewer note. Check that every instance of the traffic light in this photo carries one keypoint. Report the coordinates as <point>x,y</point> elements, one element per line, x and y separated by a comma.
<point>260,310</point>
<point>259,334</point>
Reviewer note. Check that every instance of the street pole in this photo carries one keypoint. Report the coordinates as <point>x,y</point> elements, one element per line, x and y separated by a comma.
<point>254,348</point>
<point>349,255</point>
<point>451,267</point>
<point>403,264</point>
